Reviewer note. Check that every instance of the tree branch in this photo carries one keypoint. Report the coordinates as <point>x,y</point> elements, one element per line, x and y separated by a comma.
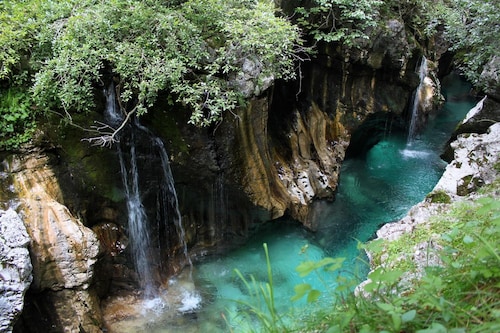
<point>107,135</point>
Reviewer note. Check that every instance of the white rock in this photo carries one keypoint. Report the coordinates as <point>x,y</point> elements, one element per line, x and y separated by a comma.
<point>474,155</point>
<point>15,268</point>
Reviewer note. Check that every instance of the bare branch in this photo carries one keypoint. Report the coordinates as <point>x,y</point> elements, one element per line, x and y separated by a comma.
<point>107,135</point>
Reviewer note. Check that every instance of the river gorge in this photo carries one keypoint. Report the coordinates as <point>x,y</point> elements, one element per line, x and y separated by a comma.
<point>376,187</point>
<point>167,227</point>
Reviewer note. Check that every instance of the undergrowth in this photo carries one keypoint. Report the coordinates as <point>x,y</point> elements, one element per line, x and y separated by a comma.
<point>457,295</point>
<point>17,118</point>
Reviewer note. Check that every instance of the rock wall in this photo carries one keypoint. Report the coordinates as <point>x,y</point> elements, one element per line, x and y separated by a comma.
<point>291,143</point>
<point>63,251</point>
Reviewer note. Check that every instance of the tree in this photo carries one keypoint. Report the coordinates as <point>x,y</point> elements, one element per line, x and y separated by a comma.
<point>473,28</point>
<point>343,21</point>
<point>184,51</point>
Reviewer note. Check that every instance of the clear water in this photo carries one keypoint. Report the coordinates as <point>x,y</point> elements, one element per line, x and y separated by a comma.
<point>375,189</point>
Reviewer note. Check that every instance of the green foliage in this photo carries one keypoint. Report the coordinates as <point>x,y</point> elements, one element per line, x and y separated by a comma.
<point>307,267</point>
<point>17,118</point>
<point>17,25</point>
<point>188,52</point>
<point>343,21</point>
<point>472,28</point>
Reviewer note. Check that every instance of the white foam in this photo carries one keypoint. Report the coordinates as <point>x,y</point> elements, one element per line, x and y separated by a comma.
<point>191,300</point>
<point>156,305</point>
<point>411,153</point>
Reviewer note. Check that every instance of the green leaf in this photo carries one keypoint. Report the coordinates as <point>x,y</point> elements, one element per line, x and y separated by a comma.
<point>385,306</point>
<point>435,328</point>
<point>468,239</point>
<point>408,316</point>
<point>313,296</point>
<point>396,321</point>
<point>300,291</point>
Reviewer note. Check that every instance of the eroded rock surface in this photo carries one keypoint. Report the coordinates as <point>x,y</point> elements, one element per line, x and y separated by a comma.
<point>15,268</point>
<point>63,249</point>
<point>472,166</point>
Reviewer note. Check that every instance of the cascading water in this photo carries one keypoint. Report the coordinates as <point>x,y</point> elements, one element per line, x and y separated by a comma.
<point>137,222</point>
<point>137,217</point>
<point>148,251</point>
<point>169,195</point>
<point>414,105</point>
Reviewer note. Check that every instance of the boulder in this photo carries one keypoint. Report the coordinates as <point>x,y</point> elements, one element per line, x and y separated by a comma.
<point>490,77</point>
<point>474,156</point>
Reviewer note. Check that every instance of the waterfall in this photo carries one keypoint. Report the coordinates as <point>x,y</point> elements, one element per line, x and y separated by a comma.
<point>147,262</point>
<point>137,222</point>
<point>413,111</point>
<point>112,114</point>
<point>169,195</point>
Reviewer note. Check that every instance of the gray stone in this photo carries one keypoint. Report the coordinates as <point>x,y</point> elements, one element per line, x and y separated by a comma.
<point>490,77</point>
<point>474,156</point>
<point>15,268</point>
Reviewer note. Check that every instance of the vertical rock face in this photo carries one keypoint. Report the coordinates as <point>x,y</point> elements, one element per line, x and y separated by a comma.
<point>15,268</point>
<point>63,251</point>
<point>292,143</point>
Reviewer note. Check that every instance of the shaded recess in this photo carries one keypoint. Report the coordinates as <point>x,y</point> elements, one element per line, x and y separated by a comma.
<point>376,127</point>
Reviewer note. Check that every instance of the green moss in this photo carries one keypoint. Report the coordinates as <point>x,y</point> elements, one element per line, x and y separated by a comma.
<point>165,124</point>
<point>438,197</point>
<point>92,169</point>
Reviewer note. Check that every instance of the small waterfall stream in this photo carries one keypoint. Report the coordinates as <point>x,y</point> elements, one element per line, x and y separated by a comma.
<point>168,194</point>
<point>137,222</point>
<point>148,251</point>
<point>416,99</point>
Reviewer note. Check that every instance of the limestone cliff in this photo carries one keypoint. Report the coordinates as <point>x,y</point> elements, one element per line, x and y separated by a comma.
<point>63,251</point>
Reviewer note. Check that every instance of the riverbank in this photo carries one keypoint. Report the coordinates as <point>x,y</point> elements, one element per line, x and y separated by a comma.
<point>476,164</point>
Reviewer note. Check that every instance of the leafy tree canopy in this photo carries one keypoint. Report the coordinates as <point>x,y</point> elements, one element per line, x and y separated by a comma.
<point>186,50</point>
<point>195,52</point>
<point>342,21</point>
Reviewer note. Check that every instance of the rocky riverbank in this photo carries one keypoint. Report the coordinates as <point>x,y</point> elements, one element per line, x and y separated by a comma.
<point>475,163</point>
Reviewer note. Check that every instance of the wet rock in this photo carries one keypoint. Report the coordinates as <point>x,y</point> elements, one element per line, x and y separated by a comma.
<point>68,310</point>
<point>15,268</point>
